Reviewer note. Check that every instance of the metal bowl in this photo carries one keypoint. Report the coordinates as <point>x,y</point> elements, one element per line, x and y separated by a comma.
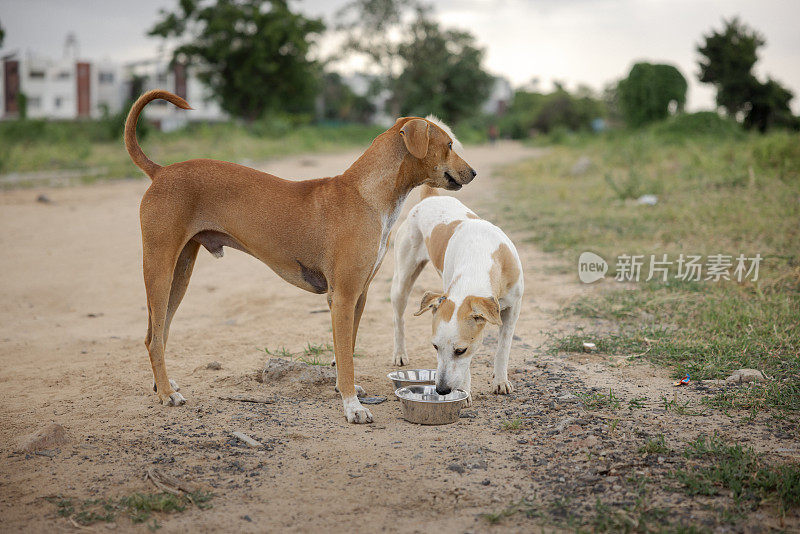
<point>422,405</point>
<point>412,377</point>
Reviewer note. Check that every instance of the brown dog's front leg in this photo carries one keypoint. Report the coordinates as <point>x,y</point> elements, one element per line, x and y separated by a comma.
<point>342,315</point>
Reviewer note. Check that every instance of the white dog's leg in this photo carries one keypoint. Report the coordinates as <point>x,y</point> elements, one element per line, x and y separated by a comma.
<point>500,384</point>
<point>406,270</point>
<point>467,388</point>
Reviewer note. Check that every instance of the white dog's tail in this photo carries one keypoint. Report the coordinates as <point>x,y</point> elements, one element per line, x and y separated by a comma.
<point>426,191</point>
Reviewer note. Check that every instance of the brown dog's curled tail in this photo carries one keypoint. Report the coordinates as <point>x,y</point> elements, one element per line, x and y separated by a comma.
<point>426,191</point>
<point>143,162</point>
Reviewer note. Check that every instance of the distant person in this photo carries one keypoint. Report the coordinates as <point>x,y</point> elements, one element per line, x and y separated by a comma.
<point>493,133</point>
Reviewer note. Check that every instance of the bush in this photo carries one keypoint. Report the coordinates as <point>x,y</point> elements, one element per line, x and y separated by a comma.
<point>704,123</point>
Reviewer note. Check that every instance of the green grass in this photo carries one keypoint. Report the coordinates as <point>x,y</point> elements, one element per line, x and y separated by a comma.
<point>31,146</point>
<point>718,468</point>
<point>511,425</point>
<point>311,354</point>
<point>717,194</point>
<point>657,445</point>
<point>600,401</point>
<point>138,507</point>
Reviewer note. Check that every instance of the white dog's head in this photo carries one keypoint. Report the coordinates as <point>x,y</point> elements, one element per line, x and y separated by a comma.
<point>458,329</point>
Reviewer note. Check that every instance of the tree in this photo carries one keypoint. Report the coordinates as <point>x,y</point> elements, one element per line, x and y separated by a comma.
<point>728,59</point>
<point>2,34</point>
<point>253,54</point>
<point>645,95</point>
<point>370,28</point>
<point>341,103</point>
<point>442,72</point>
<point>769,106</point>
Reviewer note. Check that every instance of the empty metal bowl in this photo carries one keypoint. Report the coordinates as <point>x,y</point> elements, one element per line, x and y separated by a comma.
<point>412,377</point>
<point>422,405</point>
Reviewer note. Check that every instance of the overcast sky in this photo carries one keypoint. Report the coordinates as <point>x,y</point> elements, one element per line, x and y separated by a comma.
<point>574,41</point>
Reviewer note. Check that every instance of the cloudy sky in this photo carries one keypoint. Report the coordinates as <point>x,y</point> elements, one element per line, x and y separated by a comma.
<point>573,41</point>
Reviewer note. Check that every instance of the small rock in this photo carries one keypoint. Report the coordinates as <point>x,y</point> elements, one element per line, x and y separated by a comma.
<point>647,200</point>
<point>745,375</point>
<point>44,199</point>
<point>458,468</point>
<point>486,482</point>
<point>372,400</point>
<point>214,366</point>
<point>247,518</point>
<point>589,347</point>
<point>583,164</point>
<point>49,437</point>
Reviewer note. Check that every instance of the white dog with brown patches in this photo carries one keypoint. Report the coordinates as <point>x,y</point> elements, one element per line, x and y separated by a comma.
<point>481,280</point>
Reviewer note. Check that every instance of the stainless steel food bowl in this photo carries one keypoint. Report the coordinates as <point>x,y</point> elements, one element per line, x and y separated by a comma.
<point>412,377</point>
<point>422,405</point>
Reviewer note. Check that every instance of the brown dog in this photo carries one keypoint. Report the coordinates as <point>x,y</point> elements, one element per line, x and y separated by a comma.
<point>326,235</point>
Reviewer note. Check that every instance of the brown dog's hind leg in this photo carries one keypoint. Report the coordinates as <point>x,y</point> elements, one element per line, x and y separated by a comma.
<point>343,308</point>
<point>159,264</point>
<point>180,281</point>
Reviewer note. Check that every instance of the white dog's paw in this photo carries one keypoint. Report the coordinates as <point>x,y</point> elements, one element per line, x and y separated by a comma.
<point>468,401</point>
<point>502,388</point>
<point>174,385</point>
<point>359,391</point>
<point>400,359</point>
<point>355,412</point>
<point>176,399</point>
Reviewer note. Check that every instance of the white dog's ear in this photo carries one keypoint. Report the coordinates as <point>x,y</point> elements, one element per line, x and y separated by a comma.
<point>415,136</point>
<point>486,309</point>
<point>430,301</point>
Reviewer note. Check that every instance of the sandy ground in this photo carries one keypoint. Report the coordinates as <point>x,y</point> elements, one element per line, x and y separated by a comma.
<point>72,325</point>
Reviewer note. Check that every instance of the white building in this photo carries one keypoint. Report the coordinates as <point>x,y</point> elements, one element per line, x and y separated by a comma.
<point>74,88</point>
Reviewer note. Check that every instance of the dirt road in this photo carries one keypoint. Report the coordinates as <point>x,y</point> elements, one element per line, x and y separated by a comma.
<point>71,351</point>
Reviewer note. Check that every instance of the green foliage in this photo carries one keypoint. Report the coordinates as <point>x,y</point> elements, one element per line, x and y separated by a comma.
<point>138,507</point>
<point>342,104</point>
<point>725,195</point>
<point>251,53</point>
<point>739,470</point>
<point>551,113</point>
<point>728,60</point>
<point>94,147</point>
<point>442,72</point>
<point>2,34</point>
<point>426,68</point>
<point>684,127</point>
<point>769,107</point>
<point>645,95</point>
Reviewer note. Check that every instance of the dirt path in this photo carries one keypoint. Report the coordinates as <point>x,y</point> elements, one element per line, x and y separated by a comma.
<point>71,330</point>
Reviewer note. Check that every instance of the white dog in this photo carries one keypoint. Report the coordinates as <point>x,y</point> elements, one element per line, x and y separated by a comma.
<point>481,280</point>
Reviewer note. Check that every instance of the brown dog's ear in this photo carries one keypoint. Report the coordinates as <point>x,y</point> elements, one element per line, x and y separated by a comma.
<point>430,301</point>
<point>415,136</point>
<point>486,309</point>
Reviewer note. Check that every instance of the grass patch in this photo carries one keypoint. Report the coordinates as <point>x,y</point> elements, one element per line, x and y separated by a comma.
<point>138,507</point>
<point>718,468</point>
<point>717,194</point>
<point>657,445</point>
<point>511,425</point>
<point>600,401</point>
<point>311,354</point>
<point>33,146</point>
